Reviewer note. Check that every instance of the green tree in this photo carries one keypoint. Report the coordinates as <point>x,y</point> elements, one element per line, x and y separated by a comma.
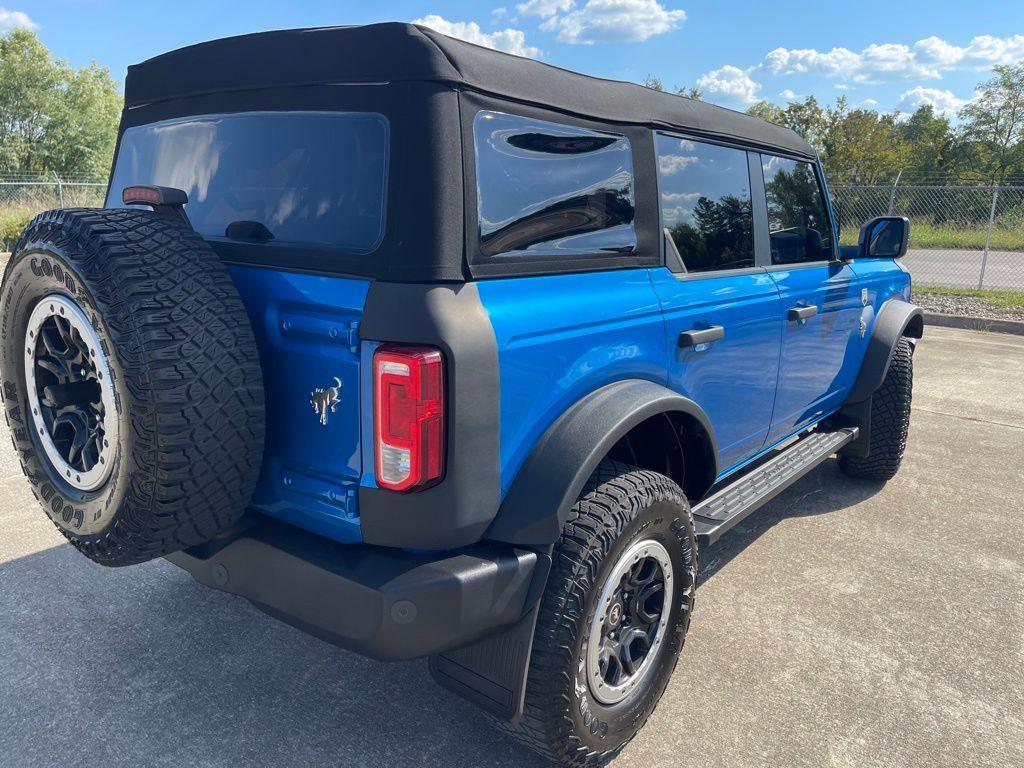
<point>805,117</point>
<point>692,92</point>
<point>994,123</point>
<point>53,117</point>
<point>930,144</point>
<point>862,144</point>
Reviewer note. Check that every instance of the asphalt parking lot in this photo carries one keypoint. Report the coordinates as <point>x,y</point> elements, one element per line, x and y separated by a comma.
<point>846,624</point>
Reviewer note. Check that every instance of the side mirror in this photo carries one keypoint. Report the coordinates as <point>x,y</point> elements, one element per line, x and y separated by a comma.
<point>884,237</point>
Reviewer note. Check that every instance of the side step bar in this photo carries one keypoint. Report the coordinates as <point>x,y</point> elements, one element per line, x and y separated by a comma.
<point>731,505</point>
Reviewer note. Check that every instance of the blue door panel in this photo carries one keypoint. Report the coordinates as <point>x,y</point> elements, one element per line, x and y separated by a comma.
<point>821,355</point>
<point>559,338</point>
<point>306,329</point>
<point>733,379</point>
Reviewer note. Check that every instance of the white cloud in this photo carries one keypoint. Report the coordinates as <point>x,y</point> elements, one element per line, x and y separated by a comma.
<point>945,103</point>
<point>868,104</point>
<point>544,8</point>
<point>879,62</point>
<point>668,164</point>
<point>498,13</point>
<point>789,95</point>
<point>508,40</point>
<point>623,21</point>
<point>730,84</point>
<point>673,197</point>
<point>15,19</point>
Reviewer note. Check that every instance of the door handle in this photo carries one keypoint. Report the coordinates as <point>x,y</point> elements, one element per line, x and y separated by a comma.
<point>701,336</point>
<point>801,313</point>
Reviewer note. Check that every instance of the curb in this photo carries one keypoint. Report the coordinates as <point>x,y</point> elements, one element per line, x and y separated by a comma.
<point>974,323</point>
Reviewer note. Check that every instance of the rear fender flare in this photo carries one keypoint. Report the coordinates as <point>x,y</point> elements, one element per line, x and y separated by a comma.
<point>549,482</point>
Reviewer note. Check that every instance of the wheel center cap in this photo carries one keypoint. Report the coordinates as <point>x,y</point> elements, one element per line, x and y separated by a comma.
<point>614,614</point>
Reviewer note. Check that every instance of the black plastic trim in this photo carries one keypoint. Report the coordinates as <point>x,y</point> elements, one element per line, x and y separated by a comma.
<point>387,604</point>
<point>552,477</point>
<point>896,318</point>
<point>456,511</point>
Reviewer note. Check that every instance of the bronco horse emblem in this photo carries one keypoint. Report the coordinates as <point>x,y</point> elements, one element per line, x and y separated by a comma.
<point>325,400</point>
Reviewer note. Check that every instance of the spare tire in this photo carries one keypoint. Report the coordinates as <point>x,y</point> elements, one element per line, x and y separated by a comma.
<point>131,382</point>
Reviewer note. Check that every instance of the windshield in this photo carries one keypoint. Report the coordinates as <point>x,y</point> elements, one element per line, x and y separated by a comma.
<point>307,178</point>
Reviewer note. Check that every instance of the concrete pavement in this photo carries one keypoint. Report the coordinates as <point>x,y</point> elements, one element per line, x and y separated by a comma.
<point>962,268</point>
<point>846,624</point>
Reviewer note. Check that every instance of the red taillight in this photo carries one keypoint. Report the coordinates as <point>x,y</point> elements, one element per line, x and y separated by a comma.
<point>408,416</point>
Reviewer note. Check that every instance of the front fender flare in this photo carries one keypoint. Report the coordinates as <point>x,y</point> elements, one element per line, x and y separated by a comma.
<point>896,318</point>
<point>561,462</point>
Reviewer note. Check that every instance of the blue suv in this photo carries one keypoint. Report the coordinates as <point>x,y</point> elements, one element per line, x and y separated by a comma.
<point>434,351</point>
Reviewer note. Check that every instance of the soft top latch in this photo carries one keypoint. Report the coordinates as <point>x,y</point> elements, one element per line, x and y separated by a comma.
<point>165,200</point>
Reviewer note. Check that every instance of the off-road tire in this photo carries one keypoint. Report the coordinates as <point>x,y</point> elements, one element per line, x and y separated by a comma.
<point>890,420</point>
<point>562,721</point>
<point>184,370</point>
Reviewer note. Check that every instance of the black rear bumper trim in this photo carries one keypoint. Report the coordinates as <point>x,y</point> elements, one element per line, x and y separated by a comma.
<point>384,603</point>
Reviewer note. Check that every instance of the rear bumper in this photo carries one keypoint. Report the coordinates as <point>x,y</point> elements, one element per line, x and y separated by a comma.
<point>384,603</point>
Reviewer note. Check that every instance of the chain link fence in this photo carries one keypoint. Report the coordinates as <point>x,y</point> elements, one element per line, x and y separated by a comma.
<point>23,195</point>
<point>960,236</point>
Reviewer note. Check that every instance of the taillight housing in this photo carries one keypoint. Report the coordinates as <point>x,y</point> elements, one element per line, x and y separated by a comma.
<point>408,416</point>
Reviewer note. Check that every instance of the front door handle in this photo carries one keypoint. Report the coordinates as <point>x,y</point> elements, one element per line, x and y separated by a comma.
<point>701,336</point>
<point>801,313</point>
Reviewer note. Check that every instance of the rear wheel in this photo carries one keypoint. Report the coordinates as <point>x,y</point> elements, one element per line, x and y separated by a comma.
<point>613,618</point>
<point>890,420</point>
<point>131,382</point>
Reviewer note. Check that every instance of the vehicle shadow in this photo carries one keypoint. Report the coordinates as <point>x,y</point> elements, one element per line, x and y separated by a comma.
<point>824,490</point>
<point>142,666</point>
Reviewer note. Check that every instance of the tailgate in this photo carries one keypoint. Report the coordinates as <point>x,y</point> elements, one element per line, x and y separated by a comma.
<point>307,331</point>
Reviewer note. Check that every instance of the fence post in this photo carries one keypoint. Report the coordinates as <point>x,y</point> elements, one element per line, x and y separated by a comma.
<point>60,189</point>
<point>892,195</point>
<point>988,236</point>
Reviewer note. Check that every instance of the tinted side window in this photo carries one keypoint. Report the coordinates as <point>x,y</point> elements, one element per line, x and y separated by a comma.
<point>546,189</point>
<point>797,218</point>
<point>705,203</point>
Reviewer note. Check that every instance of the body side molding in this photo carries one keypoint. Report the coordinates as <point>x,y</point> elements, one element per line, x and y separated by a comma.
<point>567,454</point>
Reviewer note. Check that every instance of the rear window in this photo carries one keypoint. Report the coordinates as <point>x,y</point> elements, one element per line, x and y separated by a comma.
<point>548,189</point>
<point>306,178</point>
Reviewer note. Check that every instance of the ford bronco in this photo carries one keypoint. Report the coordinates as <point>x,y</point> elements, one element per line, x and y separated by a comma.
<point>434,351</point>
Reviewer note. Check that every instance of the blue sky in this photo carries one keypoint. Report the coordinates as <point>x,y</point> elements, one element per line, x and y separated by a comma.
<point>884,54</point>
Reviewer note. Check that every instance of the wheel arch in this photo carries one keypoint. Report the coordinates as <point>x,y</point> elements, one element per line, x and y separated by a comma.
<point>632,420</point>
<point>896,318</point>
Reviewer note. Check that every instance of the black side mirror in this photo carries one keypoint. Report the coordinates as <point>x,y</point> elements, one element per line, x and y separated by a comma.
<point>884,237</point>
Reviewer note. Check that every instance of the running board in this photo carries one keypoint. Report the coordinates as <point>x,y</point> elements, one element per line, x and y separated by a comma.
<point>732,504</point>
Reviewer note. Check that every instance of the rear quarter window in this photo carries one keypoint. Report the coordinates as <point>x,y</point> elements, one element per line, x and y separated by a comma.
<point>304,178</point>
<point>548,189</point>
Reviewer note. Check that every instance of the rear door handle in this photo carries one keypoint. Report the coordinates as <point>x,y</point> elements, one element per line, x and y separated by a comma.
<point>801,313</point>
<point>701,336</point>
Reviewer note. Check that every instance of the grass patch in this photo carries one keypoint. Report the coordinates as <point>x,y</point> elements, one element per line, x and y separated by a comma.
<point>1009,299</point>
<point>925,235</point>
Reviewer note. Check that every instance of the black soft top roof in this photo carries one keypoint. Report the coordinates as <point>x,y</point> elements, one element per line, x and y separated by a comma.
<point>396,52</point>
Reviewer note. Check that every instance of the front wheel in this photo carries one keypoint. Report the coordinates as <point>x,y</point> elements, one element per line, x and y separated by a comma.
<point>890,420</point>
<point>613,617</point>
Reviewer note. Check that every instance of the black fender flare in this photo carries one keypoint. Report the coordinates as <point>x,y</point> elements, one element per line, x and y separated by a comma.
<point>897,318</point>
<point>562,461</point>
